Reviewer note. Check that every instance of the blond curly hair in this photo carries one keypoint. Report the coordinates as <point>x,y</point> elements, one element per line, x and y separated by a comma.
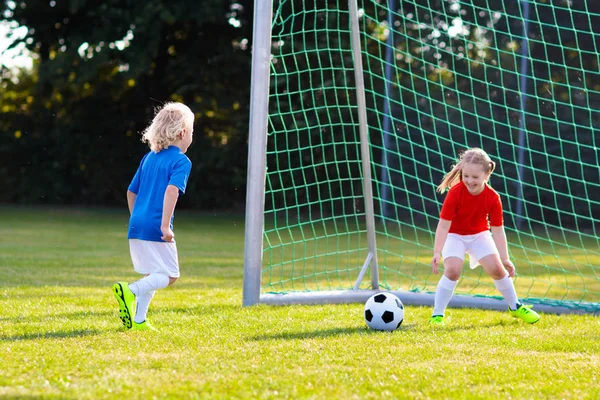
<point>168,121</point>
<point>474,155</point>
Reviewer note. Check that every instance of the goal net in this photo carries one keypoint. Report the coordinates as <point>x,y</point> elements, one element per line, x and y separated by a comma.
<point>359,109</point>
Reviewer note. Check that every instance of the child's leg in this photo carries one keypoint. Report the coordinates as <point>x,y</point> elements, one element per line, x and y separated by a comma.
<point>143,302</point>
<point>507,288</point>
<point>446,285</point>
<point>443,295</point>
<point>144,290</point>
<point>505,285</point>
<point>150,283</point>
<point>493,266</point>
<point>159,263</point>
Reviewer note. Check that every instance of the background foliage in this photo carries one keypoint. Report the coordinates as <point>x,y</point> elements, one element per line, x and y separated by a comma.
<point>71,126</point>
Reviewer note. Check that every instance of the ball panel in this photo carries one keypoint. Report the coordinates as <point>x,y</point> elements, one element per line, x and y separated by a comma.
<point>387,316</point>
<point>380,298</point>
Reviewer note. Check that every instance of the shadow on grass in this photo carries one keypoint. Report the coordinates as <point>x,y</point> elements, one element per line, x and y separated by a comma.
<point>364,330</point>
<point>38,397</point>
<point>49,317</point>
<point>198,310</point>
<point>50,335</point>
<point>454,326</point>
<point>324,333</point>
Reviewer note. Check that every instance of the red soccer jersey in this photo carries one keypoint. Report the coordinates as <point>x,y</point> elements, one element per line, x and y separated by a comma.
<point>469,214</point>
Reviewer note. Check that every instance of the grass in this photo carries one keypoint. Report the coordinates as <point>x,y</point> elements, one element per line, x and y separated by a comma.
<point>60,337</point>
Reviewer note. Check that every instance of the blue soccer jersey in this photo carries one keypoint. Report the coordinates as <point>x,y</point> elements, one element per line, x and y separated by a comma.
<point>156,171</point>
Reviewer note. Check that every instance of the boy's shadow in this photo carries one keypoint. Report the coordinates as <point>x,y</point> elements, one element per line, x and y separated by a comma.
<point>48,317</point>
<point>50,335</point>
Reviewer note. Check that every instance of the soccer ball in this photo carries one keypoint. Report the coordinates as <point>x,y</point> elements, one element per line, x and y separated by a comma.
<point>384,312</point>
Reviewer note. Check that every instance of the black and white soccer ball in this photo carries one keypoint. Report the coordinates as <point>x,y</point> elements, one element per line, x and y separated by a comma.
<point>384,312</point>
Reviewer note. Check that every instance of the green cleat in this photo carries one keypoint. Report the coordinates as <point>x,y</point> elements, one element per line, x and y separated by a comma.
<point>143,326</point>
<point>126,300</point>
<point>437,320</point>
<point>525,313</point>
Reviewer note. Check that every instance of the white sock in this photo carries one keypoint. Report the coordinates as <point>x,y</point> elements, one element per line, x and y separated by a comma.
<point>443,294</point>
<point>507,288</point>
<point>149,283</point>
<point>141,309</point>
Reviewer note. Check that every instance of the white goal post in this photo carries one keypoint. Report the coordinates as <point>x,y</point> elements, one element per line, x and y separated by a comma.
<point>261,52</point>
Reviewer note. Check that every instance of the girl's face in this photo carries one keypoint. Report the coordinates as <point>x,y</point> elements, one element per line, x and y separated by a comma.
<point>474,177</point>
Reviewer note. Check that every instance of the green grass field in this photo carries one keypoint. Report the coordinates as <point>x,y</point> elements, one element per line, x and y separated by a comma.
<point>60,336</point>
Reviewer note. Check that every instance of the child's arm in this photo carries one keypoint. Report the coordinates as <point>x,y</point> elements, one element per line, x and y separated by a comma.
<point>169,202</point>
<point>441,233</point>
<point>500,239</point>
<point>131,200</point>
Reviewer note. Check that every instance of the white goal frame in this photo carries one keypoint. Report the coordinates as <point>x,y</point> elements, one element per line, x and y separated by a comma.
<point>256,185</point>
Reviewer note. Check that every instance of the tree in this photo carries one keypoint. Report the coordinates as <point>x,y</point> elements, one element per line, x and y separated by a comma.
<point>103,67</point>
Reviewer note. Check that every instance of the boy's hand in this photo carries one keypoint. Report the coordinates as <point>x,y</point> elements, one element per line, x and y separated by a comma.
<point>167,234</point>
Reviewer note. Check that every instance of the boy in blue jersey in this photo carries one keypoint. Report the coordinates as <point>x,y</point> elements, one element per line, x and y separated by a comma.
<point>152,195</point>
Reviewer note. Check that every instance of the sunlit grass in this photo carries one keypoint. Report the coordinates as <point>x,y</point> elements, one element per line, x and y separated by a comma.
<point>60,336</point>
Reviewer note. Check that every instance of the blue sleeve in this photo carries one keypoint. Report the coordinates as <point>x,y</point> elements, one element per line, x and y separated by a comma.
<point>134,186</point>
<point>180,174</point>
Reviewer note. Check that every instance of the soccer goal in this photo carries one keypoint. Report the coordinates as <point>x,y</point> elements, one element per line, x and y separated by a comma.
<point>358,110</point>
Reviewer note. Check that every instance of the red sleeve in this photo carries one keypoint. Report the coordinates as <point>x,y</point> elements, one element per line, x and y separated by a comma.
<point>449,206</point>
<point>496,218</point>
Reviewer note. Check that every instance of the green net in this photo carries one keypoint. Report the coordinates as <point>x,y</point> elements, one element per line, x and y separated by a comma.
<point>519,79</point>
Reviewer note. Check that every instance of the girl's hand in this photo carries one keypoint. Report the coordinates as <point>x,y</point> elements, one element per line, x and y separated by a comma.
<point>434,262</point>
<point>510,268</point>
<point>168,235</point>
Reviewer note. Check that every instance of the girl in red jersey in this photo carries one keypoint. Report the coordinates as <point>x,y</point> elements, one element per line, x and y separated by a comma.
<point>470,210</point>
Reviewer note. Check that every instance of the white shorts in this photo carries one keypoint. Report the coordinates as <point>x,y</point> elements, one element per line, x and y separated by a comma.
<point>476,246</point>
<point>149,257</point>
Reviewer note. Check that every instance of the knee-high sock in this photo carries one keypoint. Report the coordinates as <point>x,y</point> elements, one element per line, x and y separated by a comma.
<point>142,304</point>
<point>507,288</point>
<point>149,283</point>
<point>443,294</point>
